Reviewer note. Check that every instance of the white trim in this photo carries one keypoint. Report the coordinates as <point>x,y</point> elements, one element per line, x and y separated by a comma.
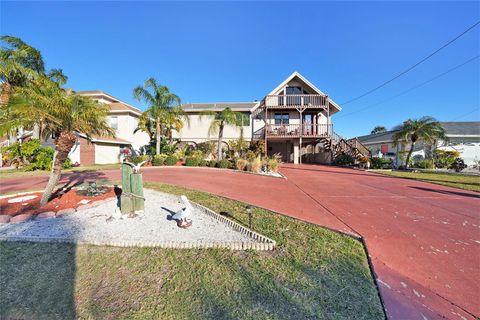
<point>298,75</point>
<point>103,141</point>
<point>97,93</point>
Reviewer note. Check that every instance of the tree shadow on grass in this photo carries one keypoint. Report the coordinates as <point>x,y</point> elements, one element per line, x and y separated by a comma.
<point>37,280</point>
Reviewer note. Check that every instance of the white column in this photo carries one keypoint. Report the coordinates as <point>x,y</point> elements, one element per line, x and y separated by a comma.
<point>296,151</point>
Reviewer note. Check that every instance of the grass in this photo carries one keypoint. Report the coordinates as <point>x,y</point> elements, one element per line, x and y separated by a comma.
<point>471,183</point>
<point>16,173</point>
<point>314,274</point>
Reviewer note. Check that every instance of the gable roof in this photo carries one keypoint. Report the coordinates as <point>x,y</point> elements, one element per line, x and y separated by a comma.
<point>294,75</point>
<point>452,129</point>
<point>115,105</point>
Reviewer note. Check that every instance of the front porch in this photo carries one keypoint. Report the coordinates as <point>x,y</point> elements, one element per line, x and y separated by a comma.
<point>292,151</point>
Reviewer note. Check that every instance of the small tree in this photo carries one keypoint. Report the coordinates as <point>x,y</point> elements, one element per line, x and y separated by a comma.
<point>220,119</point>
<point>427,129</point>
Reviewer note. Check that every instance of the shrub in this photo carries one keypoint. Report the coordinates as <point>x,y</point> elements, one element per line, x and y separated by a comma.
<point>241,164</point>
<point>138,159</point>
<point>424,164</point>
<point>223,164</point>
<point>212,163</point>
<point>159,159</point>
<point>67,164</point>
<point>239,146</point>
<point>203,163</point>
<point>445,158</point>
<point>171,160</point>
<point>344,160</point>
<point>273,163</point>
<point>458,165</point>
<point>43,160</point>
<point>250,155</point>
<point>256,165</point>
<point>381,163</point>
<point>207,148</point>
<point>192,162</point>
<point>257,147</point>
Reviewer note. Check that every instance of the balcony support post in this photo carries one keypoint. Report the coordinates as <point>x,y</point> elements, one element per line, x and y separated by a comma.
<point>267,123</point>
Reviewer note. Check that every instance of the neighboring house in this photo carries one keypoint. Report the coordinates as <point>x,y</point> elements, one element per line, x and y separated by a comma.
<point>463,137</point>
<point>104,150</point>
<point>294,120</point>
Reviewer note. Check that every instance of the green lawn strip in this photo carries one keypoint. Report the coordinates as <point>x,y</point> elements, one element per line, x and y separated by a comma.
<point>314,274</point>
<point>471,183</point>
<point>16,173</point>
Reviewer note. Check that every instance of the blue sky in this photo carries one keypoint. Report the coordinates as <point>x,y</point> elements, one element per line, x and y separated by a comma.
<point>239,51</point>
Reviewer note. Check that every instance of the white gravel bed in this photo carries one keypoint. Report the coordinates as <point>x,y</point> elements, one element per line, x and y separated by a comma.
<point>152,228</point>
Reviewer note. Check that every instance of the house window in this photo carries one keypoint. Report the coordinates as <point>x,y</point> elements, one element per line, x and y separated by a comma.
<point>113,122</point>
<point>245,119</point>
<point>281,118</point>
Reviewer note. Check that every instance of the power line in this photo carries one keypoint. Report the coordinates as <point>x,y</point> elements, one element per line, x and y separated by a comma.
<point>466,114</point>
<point>411,67</point>
<point>410,89</point>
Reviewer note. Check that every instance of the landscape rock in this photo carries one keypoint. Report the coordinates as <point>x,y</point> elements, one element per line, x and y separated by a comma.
<point>65,212</point>
<point>46,214</point>
<point>21,218</point>
<point>4,218</point>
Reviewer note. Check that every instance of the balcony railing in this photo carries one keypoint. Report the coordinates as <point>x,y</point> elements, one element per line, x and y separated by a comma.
<point>315,101</point>
<point>296,130</point>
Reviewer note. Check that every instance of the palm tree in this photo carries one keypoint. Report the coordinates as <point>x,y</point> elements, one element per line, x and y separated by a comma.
<point>20,63</point>
<point>378,129</point>
<point>160,103</point>
<point>66,114</point>
<point>427,129</point>
<point>220,119</point>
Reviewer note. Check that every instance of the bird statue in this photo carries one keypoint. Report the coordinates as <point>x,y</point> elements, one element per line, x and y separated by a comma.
<point>182,215</point>
<point>135,167</point>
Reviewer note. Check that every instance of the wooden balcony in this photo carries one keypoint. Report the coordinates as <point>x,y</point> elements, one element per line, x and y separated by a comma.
<point>296,101</point>
<point>297,130</point>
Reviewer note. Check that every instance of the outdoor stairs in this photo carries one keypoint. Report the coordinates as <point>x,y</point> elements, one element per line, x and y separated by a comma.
<point>339,145</point>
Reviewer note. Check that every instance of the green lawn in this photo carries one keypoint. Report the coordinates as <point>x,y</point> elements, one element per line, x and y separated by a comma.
<point>15,173</point>
<point>471,183</point>
<point>314,274</point>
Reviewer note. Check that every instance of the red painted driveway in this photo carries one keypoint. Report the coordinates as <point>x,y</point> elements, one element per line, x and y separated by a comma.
<point>423,239</point>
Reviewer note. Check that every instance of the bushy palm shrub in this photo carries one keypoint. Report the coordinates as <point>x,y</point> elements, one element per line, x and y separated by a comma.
<point>192,162</point>
<point>424,164</point>
<point>224,164</point>
<point>138,159</point>
<point>458,165</point>
<point>171,161</point>
<point>381,163</point>
<point>273,164</point>
<point>445,158</point>
<point>212,163</point>
<point>344,160</point>
<point>241,164</point>
<point>159,159</point>
<point>256,165</point>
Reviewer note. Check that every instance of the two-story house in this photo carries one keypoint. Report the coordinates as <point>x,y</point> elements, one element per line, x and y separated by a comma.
<point>122,117</point>
<point>294,120</point>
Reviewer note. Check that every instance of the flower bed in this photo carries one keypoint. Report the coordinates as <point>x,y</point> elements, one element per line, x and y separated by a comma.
<point>29,204</point>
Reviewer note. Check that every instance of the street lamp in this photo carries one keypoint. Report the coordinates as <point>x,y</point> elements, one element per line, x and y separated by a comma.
<point>249,208</point>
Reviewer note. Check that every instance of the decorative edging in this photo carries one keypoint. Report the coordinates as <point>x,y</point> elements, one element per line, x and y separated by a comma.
<point>261,242</point>
<point>268,244</point>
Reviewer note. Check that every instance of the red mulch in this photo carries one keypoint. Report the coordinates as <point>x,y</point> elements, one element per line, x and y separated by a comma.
<point>69,199</point>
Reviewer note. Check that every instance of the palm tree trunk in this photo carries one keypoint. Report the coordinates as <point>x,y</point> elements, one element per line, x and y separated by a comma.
<point>158,136</point>
<point>220,138</point>
<point>409,154</point>
<point>64,143</point>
